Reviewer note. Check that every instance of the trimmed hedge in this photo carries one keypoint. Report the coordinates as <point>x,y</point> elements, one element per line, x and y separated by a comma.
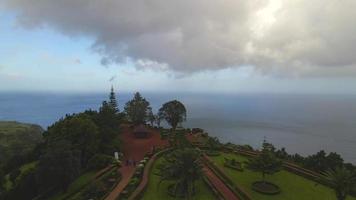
<point>266,188</point>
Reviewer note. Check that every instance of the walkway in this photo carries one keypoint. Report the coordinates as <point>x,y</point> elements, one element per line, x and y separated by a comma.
<point>219,184</point>
<point>134,149</point>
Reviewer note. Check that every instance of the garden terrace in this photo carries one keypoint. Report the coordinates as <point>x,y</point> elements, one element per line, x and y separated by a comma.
<point>293,187</point>
<point>153,191</point>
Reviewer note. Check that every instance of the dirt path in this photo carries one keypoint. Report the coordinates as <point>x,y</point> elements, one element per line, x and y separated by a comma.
<point>134,149</point>
<point>219,184</point>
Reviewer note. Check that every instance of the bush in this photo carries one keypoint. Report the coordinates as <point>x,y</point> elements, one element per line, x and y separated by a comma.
<point>266,188</point>
<point>99,161</point>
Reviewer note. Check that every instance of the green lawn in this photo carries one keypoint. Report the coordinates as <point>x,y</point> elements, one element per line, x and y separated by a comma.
<point>293,187</point>
<point>153,193</point>
<point>76,185</point>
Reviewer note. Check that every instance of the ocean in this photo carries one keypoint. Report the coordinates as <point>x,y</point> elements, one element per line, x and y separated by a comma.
<point>303,124</point>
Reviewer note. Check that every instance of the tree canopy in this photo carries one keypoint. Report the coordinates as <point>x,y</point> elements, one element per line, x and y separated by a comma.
<point>183,167</point>
<point>137,109</point>
<point>266,163</point>
<point>173,112</point>
<point>341,180</point>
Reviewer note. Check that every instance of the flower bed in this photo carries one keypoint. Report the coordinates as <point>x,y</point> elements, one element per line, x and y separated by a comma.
<point>233,164</point>
<point>266,187</point>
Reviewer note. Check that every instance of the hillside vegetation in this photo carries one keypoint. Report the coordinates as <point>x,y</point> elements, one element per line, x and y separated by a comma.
<point>18,138</point>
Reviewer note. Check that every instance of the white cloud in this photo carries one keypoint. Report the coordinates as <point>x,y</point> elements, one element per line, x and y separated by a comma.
<point>278,37</point>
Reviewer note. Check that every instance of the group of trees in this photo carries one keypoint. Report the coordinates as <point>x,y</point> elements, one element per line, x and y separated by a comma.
<point>334,172</point>
<point>74,141</point>
<point>139,111</point>
<point>68,146</point>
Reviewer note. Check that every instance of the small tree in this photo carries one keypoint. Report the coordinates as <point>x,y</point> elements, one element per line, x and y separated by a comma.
<point>266,163</point>
<point>112,100</point>
<point>213,143</point>
<point>183,168</point>
<point>137,109</point>
<point>173,112</point>
<point>151,117</point>
<point>341,180</point>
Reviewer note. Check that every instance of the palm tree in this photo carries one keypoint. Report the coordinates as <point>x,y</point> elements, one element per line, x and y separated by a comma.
<point>341,180</point>
<point>183,168</point>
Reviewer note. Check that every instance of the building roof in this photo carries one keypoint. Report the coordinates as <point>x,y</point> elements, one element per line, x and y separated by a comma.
<point>140,129</point>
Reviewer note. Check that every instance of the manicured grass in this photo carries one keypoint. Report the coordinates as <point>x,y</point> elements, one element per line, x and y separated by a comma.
<point>76,185</point>
<point>153,192</point>
<point>293,187</point>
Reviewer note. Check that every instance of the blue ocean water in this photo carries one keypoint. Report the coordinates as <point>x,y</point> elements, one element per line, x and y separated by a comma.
<point>303,124</point>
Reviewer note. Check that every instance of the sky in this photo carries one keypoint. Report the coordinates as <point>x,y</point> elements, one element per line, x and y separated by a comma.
<point>207,46</point>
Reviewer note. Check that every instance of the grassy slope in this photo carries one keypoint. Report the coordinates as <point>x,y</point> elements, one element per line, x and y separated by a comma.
<point>24,169</point>
<point>76,185</point>
<point>293,187</point>
<point>17,138</point>
<point>153,193</point>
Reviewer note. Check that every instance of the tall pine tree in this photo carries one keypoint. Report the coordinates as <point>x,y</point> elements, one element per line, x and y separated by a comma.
<point>112,100</point>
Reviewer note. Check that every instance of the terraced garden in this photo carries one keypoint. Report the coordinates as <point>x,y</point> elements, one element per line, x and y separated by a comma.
<point>154,192</point>
<point>293,187</point>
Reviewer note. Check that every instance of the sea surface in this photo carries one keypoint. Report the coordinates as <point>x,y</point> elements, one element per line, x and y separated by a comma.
<point>303,124</point>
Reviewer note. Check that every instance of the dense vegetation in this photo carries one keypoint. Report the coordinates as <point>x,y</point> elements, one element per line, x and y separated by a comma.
<point>292,186</point>
<point>158,190</point>
<point>17,139</point>
<point>68,146</point>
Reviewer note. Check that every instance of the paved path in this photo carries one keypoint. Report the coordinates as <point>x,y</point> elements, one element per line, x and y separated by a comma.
<point>219,184</point>
<point>127,172</point>
<point>134,149</point>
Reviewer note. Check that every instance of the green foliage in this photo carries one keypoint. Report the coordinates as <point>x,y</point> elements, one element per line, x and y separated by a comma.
<point>173,112</point>
<point>24,189</point>
<point>137,109</point>
<point>112,100</point>
<point>266,163</point>
<point>151,117</point>
<point>78,184</point>
<point>59,166</point>
<point>68,145</point>
<point>341,180</point>
<point>17,139</point>
<point>183,167</point>
<point>293,187</point>
<point>80,131</point>
<point>99,161</point>
<point>158,190</point>
<point>213,143</point>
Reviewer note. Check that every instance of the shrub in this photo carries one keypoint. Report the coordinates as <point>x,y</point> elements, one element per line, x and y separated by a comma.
<point>99,161</point>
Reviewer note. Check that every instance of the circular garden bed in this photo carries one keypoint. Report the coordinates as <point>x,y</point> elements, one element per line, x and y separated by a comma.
<point>266,187</point>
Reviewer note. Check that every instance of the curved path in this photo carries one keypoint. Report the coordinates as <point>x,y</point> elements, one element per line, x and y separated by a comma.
<point>134,149</point>
<point>219,184</point>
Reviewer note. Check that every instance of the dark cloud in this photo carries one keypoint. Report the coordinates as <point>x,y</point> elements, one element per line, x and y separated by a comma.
<point>276,37</point>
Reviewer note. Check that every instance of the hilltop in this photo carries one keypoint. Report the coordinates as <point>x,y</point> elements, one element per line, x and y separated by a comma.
<point>18,138</point>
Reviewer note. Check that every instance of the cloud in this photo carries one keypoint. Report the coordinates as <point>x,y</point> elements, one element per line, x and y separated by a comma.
<point>278,37</point>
